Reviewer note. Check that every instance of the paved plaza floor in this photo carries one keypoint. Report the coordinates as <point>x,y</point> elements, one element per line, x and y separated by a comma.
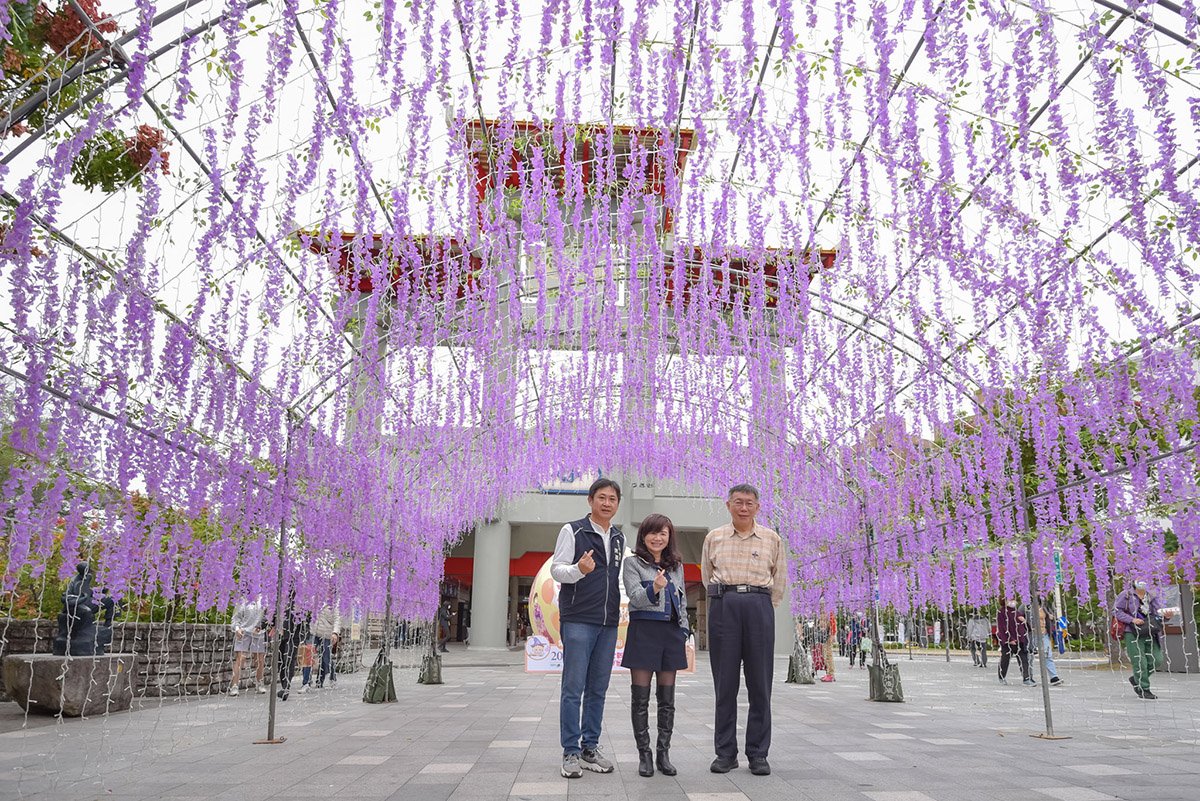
<point>491,732</point>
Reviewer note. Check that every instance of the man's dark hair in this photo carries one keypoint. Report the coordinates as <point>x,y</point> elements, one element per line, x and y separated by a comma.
<point>602,483</point>
<point>748,489</point>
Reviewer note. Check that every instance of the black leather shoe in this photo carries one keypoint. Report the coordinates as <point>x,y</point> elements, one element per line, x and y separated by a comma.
<point>723,764</point>
<point>759,766</point>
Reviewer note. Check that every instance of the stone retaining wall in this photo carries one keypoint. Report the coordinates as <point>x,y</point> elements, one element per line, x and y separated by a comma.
<point>179,658</point>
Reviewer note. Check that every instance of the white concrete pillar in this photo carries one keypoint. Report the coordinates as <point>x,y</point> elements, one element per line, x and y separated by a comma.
<point>785,624</point>
<point>489,586</point>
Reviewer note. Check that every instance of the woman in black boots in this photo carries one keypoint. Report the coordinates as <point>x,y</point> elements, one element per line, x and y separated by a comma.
<point>658,631</point>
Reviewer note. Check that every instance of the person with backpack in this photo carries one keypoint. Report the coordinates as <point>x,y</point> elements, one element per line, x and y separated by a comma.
<point>1137,624</point>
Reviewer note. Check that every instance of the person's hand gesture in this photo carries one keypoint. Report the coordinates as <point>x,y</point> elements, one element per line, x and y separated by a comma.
<point>586,563</point>
<point>660,581</point>
<point>1138,621</point>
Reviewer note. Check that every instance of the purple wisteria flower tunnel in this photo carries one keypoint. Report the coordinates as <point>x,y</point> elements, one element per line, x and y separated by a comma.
<point>348,275</point>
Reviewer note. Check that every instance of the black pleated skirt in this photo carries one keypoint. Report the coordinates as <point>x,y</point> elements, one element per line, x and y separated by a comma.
<point>655,645</point>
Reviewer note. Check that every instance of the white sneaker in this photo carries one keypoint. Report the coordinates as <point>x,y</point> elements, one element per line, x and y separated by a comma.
<point>304,689</point>
<point>262,690</point>
<point>233,690</point>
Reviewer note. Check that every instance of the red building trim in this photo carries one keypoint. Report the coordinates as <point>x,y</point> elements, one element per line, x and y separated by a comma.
<point>731,272</point>
<point>436,266</point>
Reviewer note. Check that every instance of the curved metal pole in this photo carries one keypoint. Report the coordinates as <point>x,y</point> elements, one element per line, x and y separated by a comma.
<point>115,79</point>
<point>90,60</point>
<point>280,617</point>
<point>991,171</point>
<point>862,145</point>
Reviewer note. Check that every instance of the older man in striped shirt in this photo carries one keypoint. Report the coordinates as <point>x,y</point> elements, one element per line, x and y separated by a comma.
<point>744,567</point>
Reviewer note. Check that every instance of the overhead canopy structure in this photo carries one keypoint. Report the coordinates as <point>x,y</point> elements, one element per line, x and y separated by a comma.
<point>343,277</point>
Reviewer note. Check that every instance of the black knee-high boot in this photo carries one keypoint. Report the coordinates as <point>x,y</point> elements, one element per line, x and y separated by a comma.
<point>640,713</point>
<point>666,724</point>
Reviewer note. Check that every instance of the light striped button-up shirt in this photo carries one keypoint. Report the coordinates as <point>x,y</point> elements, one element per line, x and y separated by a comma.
<point>757,558</point>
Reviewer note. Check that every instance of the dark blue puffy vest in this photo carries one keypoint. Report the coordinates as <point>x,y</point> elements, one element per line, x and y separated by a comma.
<point>595,598</point>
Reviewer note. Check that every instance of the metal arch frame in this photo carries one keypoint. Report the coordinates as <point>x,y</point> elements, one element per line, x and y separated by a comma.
<point>1045,281</point>
<point>858,151</point>
<point>1079,255</point>
<point>92,59</point>
<point>762,72</point>
<point>120,76</point>
<point>867,317</point>
<point>316,64</point>
<point>1146,21</point>
<point>987,176</point>
<point>182,140</point>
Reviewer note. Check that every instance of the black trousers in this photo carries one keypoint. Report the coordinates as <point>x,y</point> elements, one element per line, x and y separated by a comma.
<point>979,652</point>
<point>741,636</point>
<point>1021,650</point>
<point>287,662</point>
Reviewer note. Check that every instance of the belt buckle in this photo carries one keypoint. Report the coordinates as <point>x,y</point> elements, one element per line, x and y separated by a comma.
<point>742,588</point>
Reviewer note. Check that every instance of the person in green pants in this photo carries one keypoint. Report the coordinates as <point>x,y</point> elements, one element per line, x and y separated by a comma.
<point>1141,619</point>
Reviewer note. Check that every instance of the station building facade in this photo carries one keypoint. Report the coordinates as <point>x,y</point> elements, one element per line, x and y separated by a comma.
<point>490,572</point>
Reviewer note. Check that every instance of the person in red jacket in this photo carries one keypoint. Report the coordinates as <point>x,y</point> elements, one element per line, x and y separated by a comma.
<point>1012,629</point>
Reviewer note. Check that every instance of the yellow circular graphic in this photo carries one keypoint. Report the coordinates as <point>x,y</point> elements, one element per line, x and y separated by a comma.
<point>543,608</point>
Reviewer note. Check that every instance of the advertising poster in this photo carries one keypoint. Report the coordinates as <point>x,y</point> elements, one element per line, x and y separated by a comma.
<point>543,649</point>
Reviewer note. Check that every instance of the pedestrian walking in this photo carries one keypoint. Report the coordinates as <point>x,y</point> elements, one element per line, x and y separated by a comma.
<point>865,647</point>
<point>291,631</point>
<point>1012,629</point>
<point>587,565</point>
<point>249,642</point>
<point>1137,624</point>
<point>655,645</point>
<point>854,635</point>
<point>325,629</point>
<point>306,658</point>
<point>443,627</point>
<point>979,632</point>
<point>831,630</point>
<point>744,569</point>
<point>1047,627</point>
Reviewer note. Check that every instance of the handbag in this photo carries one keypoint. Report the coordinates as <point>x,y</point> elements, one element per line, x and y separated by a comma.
<point>1148,629</point>
<point>380,687</point>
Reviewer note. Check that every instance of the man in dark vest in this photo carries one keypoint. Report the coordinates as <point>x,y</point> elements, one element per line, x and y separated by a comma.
<point>587,563</point>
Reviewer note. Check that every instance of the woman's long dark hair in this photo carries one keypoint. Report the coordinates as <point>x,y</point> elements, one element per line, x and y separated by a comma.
<point>671,557</point>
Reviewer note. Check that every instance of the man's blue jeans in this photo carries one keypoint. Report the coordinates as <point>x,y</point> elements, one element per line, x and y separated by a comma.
<point>325,654</point>
<point>587,666</point>
<point>1048,650</point>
